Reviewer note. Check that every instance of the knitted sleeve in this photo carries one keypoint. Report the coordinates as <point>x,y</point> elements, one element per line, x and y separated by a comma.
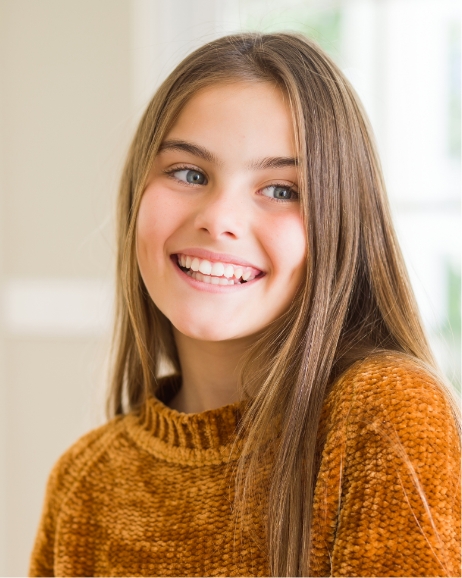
<point>65,473</point>
<point>399,504</point>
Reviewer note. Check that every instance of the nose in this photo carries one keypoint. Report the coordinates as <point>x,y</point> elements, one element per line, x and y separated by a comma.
<point>222,214</point>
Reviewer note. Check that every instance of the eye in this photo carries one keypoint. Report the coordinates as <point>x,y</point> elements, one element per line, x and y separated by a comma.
<point>280,192</point>
<point>189,176</point>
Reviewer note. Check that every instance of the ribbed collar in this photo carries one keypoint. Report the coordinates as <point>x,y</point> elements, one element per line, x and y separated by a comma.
<point>201,438</point>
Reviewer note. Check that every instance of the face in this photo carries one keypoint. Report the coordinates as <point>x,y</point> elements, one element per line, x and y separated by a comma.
<point>220,240</point>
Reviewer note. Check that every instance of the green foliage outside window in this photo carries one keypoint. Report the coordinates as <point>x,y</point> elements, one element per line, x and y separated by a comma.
<point>451,329</point>
<point>322,23</point>
<point>454,90</point>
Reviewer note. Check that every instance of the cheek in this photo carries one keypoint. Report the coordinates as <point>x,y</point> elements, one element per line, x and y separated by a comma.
<point>286,244</point>
<point>158,218</point>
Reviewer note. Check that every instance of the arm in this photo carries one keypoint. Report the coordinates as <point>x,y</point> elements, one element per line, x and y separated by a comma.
<point>42,558</point>
<point>65,474</point>
<point>400,501</point>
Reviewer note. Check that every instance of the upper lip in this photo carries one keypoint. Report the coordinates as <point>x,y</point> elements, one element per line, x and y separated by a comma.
<point>221,257</point>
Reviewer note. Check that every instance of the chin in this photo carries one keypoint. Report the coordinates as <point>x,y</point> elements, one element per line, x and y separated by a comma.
<point>217,331</point>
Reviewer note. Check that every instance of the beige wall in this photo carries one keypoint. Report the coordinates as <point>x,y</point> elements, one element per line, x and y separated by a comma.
<point>65,117</point>
<point>75,76</point>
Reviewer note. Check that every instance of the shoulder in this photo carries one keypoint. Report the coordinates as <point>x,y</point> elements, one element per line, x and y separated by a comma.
<point>77,459</point>
<point>390,471</point>
<point>392,404</point>
<point>395,389</point>
<point>82,461</point>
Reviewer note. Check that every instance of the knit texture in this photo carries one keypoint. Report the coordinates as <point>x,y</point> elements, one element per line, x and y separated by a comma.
<point>151,494</point>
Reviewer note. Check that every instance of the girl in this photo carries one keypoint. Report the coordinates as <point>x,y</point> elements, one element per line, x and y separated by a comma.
<point>300,427</point>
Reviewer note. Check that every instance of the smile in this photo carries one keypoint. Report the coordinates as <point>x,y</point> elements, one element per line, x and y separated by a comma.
<point>215,272</point>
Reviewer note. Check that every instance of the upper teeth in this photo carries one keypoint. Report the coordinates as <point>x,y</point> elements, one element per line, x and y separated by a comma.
<point>216,268</point>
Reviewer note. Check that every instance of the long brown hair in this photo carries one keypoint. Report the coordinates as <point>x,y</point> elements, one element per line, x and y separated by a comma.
<point>355,300</point>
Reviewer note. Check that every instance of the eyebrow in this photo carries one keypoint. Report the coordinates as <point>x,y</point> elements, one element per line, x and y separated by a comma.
<point>189,147</point>
<point>203,153</point>
<point>273,163</point>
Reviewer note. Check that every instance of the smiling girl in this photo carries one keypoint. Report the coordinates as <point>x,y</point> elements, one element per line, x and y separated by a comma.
<point>300,426</point>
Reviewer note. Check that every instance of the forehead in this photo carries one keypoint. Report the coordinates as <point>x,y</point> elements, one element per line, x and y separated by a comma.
<point>248,115</point>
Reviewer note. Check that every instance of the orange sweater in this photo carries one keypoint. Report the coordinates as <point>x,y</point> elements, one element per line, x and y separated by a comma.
<point>148,495</point>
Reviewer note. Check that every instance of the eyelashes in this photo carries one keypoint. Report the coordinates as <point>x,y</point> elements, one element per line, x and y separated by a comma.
<point>172,173</point>
<point>191,176</point>
<point>280,188</point>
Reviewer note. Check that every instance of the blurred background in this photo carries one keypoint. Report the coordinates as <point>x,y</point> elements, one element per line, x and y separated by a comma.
<point>75,76</point>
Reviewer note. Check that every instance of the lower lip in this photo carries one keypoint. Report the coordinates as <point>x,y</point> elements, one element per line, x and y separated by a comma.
<point>208,287</point>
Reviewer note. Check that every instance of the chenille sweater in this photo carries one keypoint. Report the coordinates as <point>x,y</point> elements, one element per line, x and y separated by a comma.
<point>150,493</point>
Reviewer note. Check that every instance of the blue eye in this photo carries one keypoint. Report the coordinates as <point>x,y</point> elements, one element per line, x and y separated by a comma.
<point>280,193</point>
<point>190,176</point>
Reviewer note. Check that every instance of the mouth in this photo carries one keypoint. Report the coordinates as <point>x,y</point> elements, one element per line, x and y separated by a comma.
<point>215,272</point>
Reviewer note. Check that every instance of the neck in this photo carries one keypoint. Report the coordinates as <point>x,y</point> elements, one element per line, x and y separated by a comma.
<point>209,373</point>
